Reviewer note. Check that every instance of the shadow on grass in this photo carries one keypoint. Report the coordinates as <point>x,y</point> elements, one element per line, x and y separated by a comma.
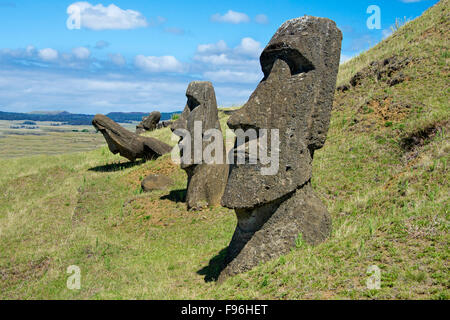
<point>175,196</point>
<point>116,166</point>
<point>215,266</point>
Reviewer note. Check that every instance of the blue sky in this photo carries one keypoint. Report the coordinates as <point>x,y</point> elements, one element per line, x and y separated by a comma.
<point>140,55</point>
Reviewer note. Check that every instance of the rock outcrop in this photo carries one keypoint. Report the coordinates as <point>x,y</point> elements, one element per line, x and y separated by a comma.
<point>386,70</point>
<point>206,181</point>
<point>128,144</point>
<point>300,65</point>
<point>155,182</point>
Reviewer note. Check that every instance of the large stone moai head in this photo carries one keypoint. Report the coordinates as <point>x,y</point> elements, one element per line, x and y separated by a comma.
<point>206,181</point>
<point>300,65</point>
<point>149,123</point>
<point>126,143</point>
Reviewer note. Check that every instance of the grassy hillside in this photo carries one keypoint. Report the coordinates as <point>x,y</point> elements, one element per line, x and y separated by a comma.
<point>383,174</point>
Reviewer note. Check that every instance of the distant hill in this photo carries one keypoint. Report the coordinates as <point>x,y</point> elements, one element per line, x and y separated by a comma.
<point>78,119</point>
<point>136,116</point>
<point>48,112</point>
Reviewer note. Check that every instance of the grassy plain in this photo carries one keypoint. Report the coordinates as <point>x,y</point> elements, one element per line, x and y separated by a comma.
<point>47,139</point>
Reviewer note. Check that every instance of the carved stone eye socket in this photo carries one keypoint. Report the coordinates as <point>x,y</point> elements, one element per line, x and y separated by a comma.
<point>192,103</point>
<point>296,61</point>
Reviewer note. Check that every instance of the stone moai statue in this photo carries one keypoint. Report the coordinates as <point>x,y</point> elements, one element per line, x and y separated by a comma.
<point>126,143</point>
<point>300,66</point>
<point>149,123</point>
<point>206,180</point>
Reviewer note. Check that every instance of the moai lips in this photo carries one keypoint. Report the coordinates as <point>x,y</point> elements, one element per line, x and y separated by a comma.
<point>300,65</point>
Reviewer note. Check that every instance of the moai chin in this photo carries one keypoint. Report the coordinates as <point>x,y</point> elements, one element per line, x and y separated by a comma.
<point>300,66</point>
<point>206,181</point>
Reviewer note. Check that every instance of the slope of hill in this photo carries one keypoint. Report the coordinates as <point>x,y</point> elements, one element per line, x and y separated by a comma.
<point>383,174</point>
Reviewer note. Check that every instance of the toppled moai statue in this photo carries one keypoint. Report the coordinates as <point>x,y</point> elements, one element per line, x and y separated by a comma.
<point>206,181</point>
<point>164,124</point>
<point>149,122</point>
<point>300,65</point>
<point>128,144</point>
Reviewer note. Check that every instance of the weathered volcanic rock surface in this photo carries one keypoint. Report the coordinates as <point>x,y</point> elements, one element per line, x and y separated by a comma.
<point>300,65</point>
<point>206,181</point>
<point>155,182</point>
<point>139,129</point>
<point>128,144</point>
<point>149,123</point>
<point>267,232</point>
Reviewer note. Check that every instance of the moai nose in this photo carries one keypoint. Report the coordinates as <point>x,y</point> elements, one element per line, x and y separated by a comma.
<point>255,112</point>
<point>245,117</point>
<point>235,119</point>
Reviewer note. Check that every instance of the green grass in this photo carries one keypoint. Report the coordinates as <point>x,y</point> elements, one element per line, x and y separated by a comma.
<point>389,206</point>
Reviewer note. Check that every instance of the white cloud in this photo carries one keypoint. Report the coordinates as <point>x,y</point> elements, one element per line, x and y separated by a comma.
<point>99,17</point>
<point>249,47</point>
<point>228,95</point>
<point>231,17</point>
<point>246,53</point>
<point>261,19</point>
<point>11,52</point>
<point>218,47</point>
<point>233,76</point>
<point>81,53</point>
<point>117,59</point>
<point>219,63</point>
<point>23,91</point>
<point>220,60</point>
<point>158,64</point>
<point>30,50</point>
<point>48,54</point>
<point>80,82</point>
